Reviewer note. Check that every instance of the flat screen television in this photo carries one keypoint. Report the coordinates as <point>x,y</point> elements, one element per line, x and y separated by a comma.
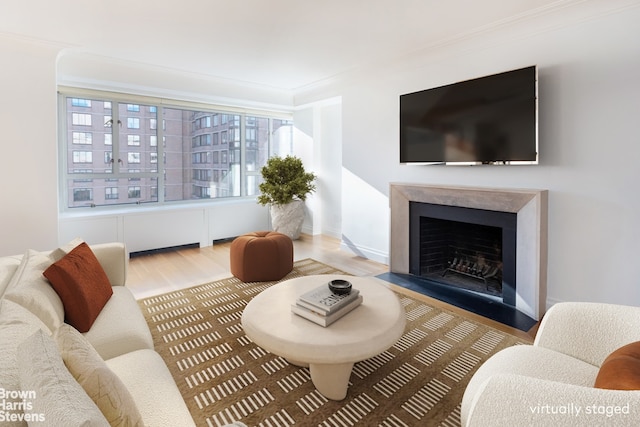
<point>488,120</point>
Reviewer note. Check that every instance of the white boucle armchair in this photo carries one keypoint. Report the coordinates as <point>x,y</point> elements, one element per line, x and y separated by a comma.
<point>551,383</point>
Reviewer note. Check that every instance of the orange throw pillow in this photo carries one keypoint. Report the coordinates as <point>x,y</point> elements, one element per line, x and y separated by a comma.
<point>621,369</point>
<point>82,285</point>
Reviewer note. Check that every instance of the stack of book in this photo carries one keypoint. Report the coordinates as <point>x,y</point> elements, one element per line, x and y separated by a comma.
<point>323,307</point>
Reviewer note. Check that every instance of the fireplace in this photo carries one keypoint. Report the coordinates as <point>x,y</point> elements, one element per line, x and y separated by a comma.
<point>470,249</point>
<point>509,232</point>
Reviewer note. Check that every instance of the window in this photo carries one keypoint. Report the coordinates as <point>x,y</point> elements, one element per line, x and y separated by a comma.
<point>199,154</point>
<point>80,119</point>
<point>82,194</point>
<point>77,102</point>
<point>133,123</point>
<point>82,157</point>
<point>82,138</point>
<point>134,192</point>
<point>111,193</point>
<point>133,157</point>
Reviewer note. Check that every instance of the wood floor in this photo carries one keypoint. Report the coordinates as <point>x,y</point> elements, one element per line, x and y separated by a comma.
<point>164,272</point>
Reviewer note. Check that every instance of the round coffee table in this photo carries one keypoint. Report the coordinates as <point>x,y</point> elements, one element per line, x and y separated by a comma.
<point>329,352</point>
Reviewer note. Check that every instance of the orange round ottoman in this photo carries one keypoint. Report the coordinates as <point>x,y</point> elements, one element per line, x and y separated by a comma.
<point>261,256</point>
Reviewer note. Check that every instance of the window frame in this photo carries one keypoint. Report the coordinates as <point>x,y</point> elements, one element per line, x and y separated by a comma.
<point>219,113</point>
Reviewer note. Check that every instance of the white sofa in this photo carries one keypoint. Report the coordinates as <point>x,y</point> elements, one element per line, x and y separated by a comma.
<point>551,383</point>
<point>120,335</point>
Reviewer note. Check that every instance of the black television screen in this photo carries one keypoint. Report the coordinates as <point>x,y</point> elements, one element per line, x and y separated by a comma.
<point>488,120</point>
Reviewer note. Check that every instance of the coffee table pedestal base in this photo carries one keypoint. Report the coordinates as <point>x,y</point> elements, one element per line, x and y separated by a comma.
<point>331,379</point>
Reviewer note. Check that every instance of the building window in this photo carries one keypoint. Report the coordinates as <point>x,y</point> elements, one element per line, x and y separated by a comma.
<point>134,192</point>
<point>82,157</point>
<point>79,119</point>
<point>82,194</point>
<point>133,157</point>
<point>133,107</point>
<point>82,138</point>
<point>111,193</point>
<point>78,102</point>
<point>133,123</point>
<point>133,140</point>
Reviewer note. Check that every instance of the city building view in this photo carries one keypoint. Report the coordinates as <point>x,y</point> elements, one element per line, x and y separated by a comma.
<point>118,152</point>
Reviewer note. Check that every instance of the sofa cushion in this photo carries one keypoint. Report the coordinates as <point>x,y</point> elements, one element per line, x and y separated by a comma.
<point>16,323</point>
<point>95,377</point>
<point>59,398</point>
<point>120,328</point>
<point>154,390</point>
<point>81,283</point>
<point>621,369</point>
<point>32,290</point>
<point>8,267</point>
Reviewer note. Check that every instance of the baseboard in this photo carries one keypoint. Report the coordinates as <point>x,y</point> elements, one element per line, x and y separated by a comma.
<point>368,253</point>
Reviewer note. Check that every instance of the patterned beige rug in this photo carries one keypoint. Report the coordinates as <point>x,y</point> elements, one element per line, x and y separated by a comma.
<point>224,377</point>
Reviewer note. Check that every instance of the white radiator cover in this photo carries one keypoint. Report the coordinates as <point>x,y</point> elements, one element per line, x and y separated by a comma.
<point>148,228</point>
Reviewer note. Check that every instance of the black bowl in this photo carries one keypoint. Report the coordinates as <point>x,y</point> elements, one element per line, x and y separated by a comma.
<point>340,287</point>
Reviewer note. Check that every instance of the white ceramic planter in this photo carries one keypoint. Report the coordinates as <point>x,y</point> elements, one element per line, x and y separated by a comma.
<point>287,219</point>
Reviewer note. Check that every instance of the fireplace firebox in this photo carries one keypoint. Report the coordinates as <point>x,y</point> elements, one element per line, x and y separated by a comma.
<point>470,249</point>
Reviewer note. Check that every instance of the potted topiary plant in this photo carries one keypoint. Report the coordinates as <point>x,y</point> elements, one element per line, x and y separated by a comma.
<point>284,188</point>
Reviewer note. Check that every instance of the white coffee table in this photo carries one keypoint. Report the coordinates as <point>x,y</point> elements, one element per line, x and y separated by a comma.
<point>329,352</point>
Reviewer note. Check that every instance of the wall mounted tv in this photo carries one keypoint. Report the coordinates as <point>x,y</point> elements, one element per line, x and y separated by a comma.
<point>488,120</point>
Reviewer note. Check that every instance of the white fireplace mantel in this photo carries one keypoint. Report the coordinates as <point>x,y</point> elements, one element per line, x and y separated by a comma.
<point>530,206</point>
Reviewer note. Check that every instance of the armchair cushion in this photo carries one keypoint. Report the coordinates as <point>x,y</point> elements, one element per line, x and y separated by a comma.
<point>621,370</point>
<point>82,285</point>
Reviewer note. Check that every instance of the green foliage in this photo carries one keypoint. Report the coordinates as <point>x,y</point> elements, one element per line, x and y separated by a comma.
<point>285,180</point>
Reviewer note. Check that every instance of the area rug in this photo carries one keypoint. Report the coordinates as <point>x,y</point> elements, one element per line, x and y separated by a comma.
<point>224,377</point>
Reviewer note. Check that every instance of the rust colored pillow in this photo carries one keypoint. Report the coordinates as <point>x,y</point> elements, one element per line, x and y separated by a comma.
<point>621,369</point>
<point>82,285</point>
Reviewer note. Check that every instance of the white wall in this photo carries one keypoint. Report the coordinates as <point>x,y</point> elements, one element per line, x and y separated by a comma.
<point>589,102</point>
<point>318,141</point>
<point>28,163</point>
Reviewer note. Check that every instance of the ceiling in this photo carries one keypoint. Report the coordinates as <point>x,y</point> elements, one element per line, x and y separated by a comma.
<point>285,44</point>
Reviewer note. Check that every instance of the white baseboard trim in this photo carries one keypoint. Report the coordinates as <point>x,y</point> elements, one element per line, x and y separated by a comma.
<point>368,253</point>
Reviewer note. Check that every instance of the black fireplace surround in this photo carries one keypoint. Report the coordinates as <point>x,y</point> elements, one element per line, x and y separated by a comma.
<point>440,233</point>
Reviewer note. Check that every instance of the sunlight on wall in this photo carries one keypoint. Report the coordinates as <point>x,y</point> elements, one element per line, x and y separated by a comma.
<point>303,146</point>
<point>364,208</point>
